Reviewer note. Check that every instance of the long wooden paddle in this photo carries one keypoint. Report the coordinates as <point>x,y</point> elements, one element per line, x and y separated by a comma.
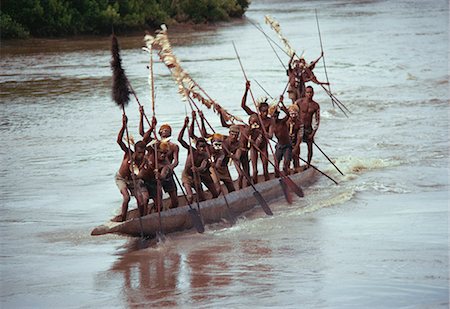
<point>328,158</point>
<point>314,167</point>
<point>158,199</point>
<point>323,57</point>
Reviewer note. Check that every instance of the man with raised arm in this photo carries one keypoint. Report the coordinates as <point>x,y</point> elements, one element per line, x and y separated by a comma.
<point>150,175</point>
<point>299,74</point>
<point>280,129</point>
<point>263,110</point>
<point>237,144</point>
<point>129,169</point>
<point>194,175</point>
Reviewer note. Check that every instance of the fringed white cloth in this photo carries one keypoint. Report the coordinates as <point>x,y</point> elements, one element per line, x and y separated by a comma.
<point>275,25</point>
<point>186,85</point>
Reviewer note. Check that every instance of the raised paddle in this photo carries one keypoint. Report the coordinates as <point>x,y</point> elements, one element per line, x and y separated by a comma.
<point>158,199</point>
<point>121,95</point>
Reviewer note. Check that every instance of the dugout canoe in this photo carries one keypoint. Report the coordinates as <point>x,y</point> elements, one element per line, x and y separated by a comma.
<point>211,211</point>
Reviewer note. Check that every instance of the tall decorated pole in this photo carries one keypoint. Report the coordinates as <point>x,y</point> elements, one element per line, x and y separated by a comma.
<point>121,95</point>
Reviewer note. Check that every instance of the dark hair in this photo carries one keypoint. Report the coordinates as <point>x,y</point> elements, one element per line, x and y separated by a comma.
<point>263,104</point>
<point>310,87</point>
<point>139,145</point>
<point>200,140</point>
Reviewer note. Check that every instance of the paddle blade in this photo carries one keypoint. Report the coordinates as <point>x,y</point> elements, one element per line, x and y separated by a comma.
<point>196,220</point>
<point>294,187</point>
<point>142,243</point>
<point>287,193</point>
<point>230,213</point>
<point>263,203</point>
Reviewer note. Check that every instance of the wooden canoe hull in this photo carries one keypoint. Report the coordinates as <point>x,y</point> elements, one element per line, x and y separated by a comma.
<point>211,211</point>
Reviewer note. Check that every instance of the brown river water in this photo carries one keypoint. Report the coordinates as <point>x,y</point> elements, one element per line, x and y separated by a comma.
<point>377,240</point>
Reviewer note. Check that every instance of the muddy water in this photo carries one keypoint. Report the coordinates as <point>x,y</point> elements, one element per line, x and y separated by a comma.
<point>379,239</point>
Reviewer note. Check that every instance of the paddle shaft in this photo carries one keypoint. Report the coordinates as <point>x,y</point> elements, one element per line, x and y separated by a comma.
<point>267,37</point>
<point>328,158</point>
<point>155,147</point>
<point>323,57</point>
<point>254,102</point>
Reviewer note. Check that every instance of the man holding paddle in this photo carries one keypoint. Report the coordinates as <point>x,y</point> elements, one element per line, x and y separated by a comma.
<point>263,110</point>
<point>196,170</point>
<point>165,133</point>
<point>129,168</point>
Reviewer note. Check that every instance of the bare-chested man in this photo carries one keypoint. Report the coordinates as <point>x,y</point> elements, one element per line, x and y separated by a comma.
<point>237,144</point>
<point>310,118</point>
<point>280,129</point>
<point>194,176</point>
<point>263,110</point>
<point>128,170</point>
<point>165,132</point>
<point>150,175</point>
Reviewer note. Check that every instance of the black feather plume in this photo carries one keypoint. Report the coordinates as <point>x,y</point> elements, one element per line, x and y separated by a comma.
<point>120,90</point>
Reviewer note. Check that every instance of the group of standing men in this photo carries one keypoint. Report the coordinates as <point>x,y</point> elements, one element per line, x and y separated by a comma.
<point>149,169</point>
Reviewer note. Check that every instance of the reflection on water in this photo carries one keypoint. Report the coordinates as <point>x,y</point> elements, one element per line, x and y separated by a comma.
<point>172,275</point>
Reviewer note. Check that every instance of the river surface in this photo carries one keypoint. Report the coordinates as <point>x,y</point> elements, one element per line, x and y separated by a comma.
<point>377,240</point>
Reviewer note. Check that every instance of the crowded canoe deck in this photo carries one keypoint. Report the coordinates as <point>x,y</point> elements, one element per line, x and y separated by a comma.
<point>211,211</point>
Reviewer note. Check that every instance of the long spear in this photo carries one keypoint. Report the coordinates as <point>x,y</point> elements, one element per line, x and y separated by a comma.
<point>160,234</point>
<point>323,57</point>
